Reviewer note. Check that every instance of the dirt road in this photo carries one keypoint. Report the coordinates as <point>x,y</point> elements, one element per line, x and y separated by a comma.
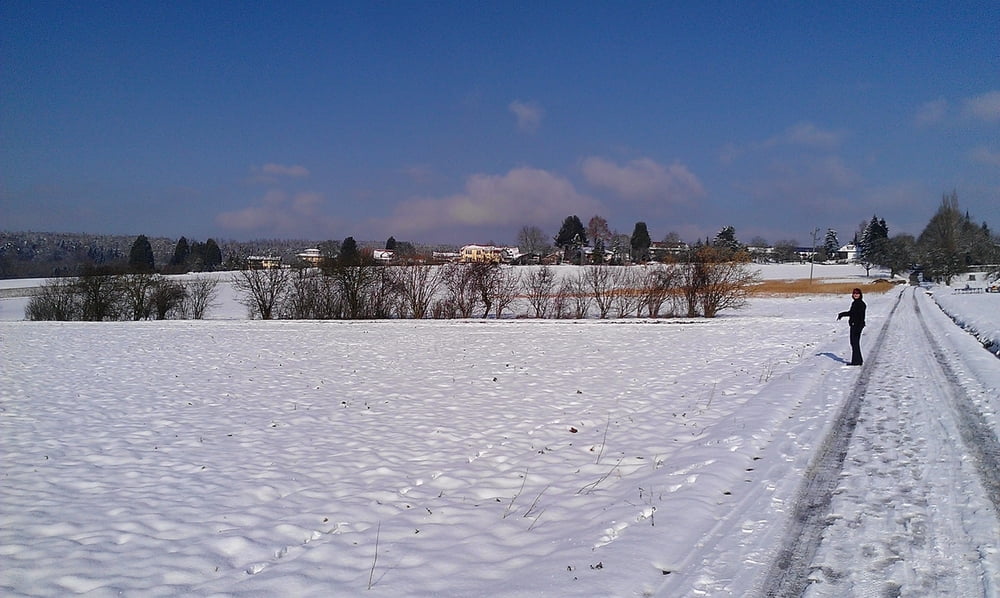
<point>904,496</point>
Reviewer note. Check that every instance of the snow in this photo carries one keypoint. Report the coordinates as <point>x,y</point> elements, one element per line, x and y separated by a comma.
<point>667,457</point>
<point>978,313</point>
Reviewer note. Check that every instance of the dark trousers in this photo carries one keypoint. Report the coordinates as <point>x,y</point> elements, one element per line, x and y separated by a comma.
<point>856,345</point>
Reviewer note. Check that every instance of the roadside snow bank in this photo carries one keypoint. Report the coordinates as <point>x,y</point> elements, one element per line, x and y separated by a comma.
<point>977,313</point>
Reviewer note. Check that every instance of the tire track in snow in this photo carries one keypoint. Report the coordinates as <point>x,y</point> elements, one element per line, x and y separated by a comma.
<point>790,571</point>
<point>905,505</point>
<point>978,437</point>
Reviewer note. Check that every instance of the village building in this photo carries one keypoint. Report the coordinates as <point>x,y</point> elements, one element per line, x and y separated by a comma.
<point>488,254</point>
<point>263,262</point>
<point>847,253</point>
<point>312,257</point>
<point>661,250</point>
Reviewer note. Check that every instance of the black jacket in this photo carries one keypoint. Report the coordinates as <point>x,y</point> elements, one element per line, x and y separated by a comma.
<point>856,315</point>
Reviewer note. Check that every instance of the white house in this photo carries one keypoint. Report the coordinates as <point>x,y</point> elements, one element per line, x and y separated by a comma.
<point>263,262</point>
<point>311,256</point>
<point>848,252</point>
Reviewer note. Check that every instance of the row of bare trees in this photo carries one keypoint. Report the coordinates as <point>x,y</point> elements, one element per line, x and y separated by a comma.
<point>703,287</point>
<point>100,296</point>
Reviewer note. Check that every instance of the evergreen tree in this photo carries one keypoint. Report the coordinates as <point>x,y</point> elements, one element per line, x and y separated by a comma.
<point>872,246</point>
<point>390,244</point>
<point>572,236</point>
<point>571,233</point>
<point>140,257</point>
<point>182,251</point>
<point>213,255</point>
<point>598,256</point>
<point>831,244</point>
<point>349,253</point>
<point>951,242</point>
<point>726,241</point>
<point>640,242</point>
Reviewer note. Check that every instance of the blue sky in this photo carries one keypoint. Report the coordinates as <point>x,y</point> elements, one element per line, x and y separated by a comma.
<point>462,122</point>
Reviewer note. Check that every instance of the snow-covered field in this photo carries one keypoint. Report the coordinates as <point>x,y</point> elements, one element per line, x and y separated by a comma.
<point>979,314</point>
<point>230,457</point>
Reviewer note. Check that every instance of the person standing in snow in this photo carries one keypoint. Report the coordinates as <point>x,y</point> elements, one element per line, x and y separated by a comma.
<point>856,320</point>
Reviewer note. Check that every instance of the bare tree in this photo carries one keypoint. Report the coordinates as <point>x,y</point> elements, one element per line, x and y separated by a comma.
<point>693,279</point>
<point>577,293</point>
<point>354,280</point>
<point>531,239</point>
<point>482,279</point>
<point>540,285</point>
<point>201,293</point>
<point>417,285</point>
<point>562,300</point>
<point>166,297</point>
<point>261,288</point>
<point>600,284</point>
<point>504,286</point>
<point>100,295</point>
<point>302,298</point>
<point>728,286</point>
<point>715,281</point>
<point>462,291</point>
<point>627,296</point>
<point>57,299</point>
<point>658,285</point>
<point>444,309</point>
<point>384,293</point>
<point>136,289</point>
<point>598,231</point>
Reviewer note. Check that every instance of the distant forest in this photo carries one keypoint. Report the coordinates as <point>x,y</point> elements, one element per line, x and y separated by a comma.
<point>44,255</point>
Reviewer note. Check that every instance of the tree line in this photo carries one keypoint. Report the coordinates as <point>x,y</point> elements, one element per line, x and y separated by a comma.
<point>358,288</point>
<point>103,294</point>
<point>950,243</point>
<point>349,287</point>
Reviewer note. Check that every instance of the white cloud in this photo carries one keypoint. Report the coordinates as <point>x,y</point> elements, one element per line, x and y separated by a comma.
<point>278,213</point>
<point>984,107</point>
<point>522,195</point>
<point>529,115</point>
<point>644,179</point>
<point>805,134</point>
<point>270,173</point>
<point>932,112</point>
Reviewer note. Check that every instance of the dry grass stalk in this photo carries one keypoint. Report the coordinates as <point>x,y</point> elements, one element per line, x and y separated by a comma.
<point>818,287</point>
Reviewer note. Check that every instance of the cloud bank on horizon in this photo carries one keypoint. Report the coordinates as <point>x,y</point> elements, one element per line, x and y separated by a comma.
<point>450,124</point>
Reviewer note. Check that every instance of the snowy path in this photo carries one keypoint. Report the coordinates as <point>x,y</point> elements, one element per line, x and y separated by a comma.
<point>882,481</point>
<point>915,510</point>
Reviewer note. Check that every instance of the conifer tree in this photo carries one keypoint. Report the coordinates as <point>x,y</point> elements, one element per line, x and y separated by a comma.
<point>572,236</point>
<point>140,257</point>
<point>831,244</point>
<point>349,253</point>
<point>181,252</point>
<point>213,255</point>
<point>640,242</point>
